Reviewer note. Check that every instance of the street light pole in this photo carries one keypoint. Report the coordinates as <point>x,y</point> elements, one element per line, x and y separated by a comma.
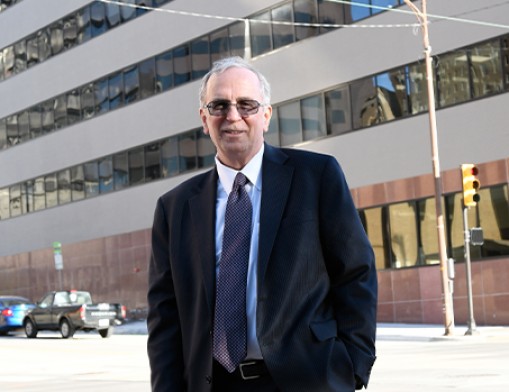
<point>442,249</point>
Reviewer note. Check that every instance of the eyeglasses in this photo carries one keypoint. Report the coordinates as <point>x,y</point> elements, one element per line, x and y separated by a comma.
<point>245,107</point>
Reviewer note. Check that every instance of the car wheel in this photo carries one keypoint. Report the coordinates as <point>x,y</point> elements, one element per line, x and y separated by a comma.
<point>30,329</point>
<point>106,332</point>
<point>66,329</point>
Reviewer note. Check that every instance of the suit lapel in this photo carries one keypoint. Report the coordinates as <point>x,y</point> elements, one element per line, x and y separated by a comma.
<point>203,214</point>
<point>276,182</point>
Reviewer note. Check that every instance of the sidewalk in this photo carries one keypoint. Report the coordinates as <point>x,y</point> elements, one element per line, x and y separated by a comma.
<point>385,331</point>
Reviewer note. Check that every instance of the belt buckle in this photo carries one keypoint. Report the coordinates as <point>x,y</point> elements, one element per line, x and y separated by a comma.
<point>241,369</point>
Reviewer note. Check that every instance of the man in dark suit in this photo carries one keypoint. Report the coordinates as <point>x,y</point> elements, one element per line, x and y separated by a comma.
<point>310,289</point>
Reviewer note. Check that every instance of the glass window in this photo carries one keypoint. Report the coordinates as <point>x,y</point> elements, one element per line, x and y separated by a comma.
<point>12,130</point>
<point>261,33</point>
<point>187,151</point>
<point>101,96</point>
<point>39,194</point>
<point>337,109</point>
<point>505,60</point>
<point>403,229</point>
<point>120,171</point>
<point>2,75</point>
<point>20,56</point>
<point>50,188</point>
<point>282,34</point>
<point>152,162</point>
<point>77,183</point>
<point>418,88</point>
<point>206,150</point>
<point>364,103</point>
<point>73,106</point>
<point>272,135</point>
<point>453,78</point>
<point>98,18</point>
<point>60,110</point>
<point>427,238</point>
<point>87,101</point>
<point>181,65</point>
<point>330,13</point>
<point>112,15</point>
<point>64,186</point>
<point>116,90</point>
<point>44,44</point>
<point>357,11</point>
<point>147,78</point>
<point>127,12</point>
<point>57,37</point>
<point>48,116</point>
<point>3,134</point>
<point>9,61</point>
<point>70,31</point>
<point>170,157</point>
<point>392,94</point>
<point>219,45</point>
<point>35,121</point>
<point>200,57</point>
<point>237,39</point>
<point>486,69</point>
<point>27,197</point>
<point>313,119</point>
<point>105,175</point>
<point>146,3</point>
<point>4,203</point>
<point>131,84</point>
<point>289,123</point>
<point>32,52</point>
<point>23,126</point>
<point>164,71</point>
<point>91,175</point>
<point>493,216</point>
<point>375,221</point>
<point>136,166</point>
<point>383,3</point>
<point>306,13</point>
<point>84,25</point>
<point>15,200</point>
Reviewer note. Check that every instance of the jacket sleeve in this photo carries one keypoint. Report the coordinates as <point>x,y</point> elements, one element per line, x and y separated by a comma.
<point>351,268</point>
<point>164,336</point>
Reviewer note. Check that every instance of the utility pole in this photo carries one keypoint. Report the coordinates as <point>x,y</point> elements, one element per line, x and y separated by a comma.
<point>442,249</point>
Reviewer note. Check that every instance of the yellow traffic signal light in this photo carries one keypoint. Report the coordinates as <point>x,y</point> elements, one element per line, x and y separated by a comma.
<point>471,184</point>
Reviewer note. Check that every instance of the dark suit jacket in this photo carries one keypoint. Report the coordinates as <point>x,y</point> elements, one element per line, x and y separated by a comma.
<point>317,287</point>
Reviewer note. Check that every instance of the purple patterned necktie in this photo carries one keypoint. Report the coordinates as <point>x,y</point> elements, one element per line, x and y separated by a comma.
<point>230,323</point>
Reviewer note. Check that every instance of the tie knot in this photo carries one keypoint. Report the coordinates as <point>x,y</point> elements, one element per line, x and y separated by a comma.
<point>240,180</point>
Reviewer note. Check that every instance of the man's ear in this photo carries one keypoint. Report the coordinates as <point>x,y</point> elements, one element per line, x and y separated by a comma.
<point>203,117</point>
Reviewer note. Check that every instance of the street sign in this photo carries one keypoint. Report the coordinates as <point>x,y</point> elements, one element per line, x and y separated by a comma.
<point>57,254</point>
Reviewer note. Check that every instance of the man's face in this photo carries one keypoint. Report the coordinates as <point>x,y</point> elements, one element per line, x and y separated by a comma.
<point>237,139</point>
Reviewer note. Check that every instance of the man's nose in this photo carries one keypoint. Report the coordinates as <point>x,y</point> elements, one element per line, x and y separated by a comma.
<point>233,114</point>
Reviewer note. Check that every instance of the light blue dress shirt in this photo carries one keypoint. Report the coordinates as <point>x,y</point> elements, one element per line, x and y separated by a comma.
<point>253,172</point>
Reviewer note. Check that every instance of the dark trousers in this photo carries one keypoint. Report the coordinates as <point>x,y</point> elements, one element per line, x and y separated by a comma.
<point>222,381</point>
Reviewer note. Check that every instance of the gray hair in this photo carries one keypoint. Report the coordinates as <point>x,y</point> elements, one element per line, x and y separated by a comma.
<point>224,64</point>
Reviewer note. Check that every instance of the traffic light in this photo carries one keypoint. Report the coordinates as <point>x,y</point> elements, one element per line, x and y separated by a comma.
<point>471,184</point>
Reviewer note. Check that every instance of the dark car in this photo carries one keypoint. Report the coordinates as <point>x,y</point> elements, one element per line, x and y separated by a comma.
<point>12,312</point>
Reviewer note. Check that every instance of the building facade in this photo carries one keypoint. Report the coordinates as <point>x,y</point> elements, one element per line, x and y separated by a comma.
<point>99,116</point>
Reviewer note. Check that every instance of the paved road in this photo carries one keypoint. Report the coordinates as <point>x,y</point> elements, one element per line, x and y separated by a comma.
<point>410,358</point>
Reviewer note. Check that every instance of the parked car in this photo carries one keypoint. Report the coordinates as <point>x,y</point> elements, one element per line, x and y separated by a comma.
<point>69,311</point>
<point>12,312</point>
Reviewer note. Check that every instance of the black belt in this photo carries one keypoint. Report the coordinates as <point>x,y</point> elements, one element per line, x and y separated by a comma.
<point>250,370</point>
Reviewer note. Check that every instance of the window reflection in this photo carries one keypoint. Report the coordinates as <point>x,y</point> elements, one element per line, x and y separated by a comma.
<point>27,197</point>
<point>164,71</point>
<point>131,84</point>
<point>73,106</point>
<point>97,18</point>
<point>260,32</point>
<point>91,175</point>
<point>418,88</point>
<point>358,12</point>
<point>337,108</point>
<point>147,79</point>
<point>170,157</point>
<point>282,34</point>
<point>101,96</point>
<point>50,188</point>
<point>290,123</point>
<point>219,45</point>
<point>105,175</point>
<point>330,13</point>
<point>181,65</point>
<point>403,234</point>
<point>392,94</point>
<point>15,200</point>
<point>206,150</point>
<point>136,166</point>
<point>112,15</point>
<point>39,194</point>
<point>48,116</point>
<point>70,31</point>
<point>200,57</point>
<point>486,69</point>
<point>237,39</point>
<point>23,127</point>
<point>428,252</point>
<point>152,162</point>
<point>313,122</point>
<point>87,101</point>
<point>3,134</point>
<point>120,171</point>
<point>20,56</point>
<point>60,110</point>
<point>116,91</point>
<point>305,12</point>
<point>364,103</point>
<point>57,38</point>
<point>4,203</point>
<point>77,183</point>
<point>453,78</point>
<point>272,135</point>
<point>187,151</point>
<point>64,186</point>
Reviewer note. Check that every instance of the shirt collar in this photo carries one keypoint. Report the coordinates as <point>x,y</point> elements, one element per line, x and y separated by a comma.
<point>252,171</point>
